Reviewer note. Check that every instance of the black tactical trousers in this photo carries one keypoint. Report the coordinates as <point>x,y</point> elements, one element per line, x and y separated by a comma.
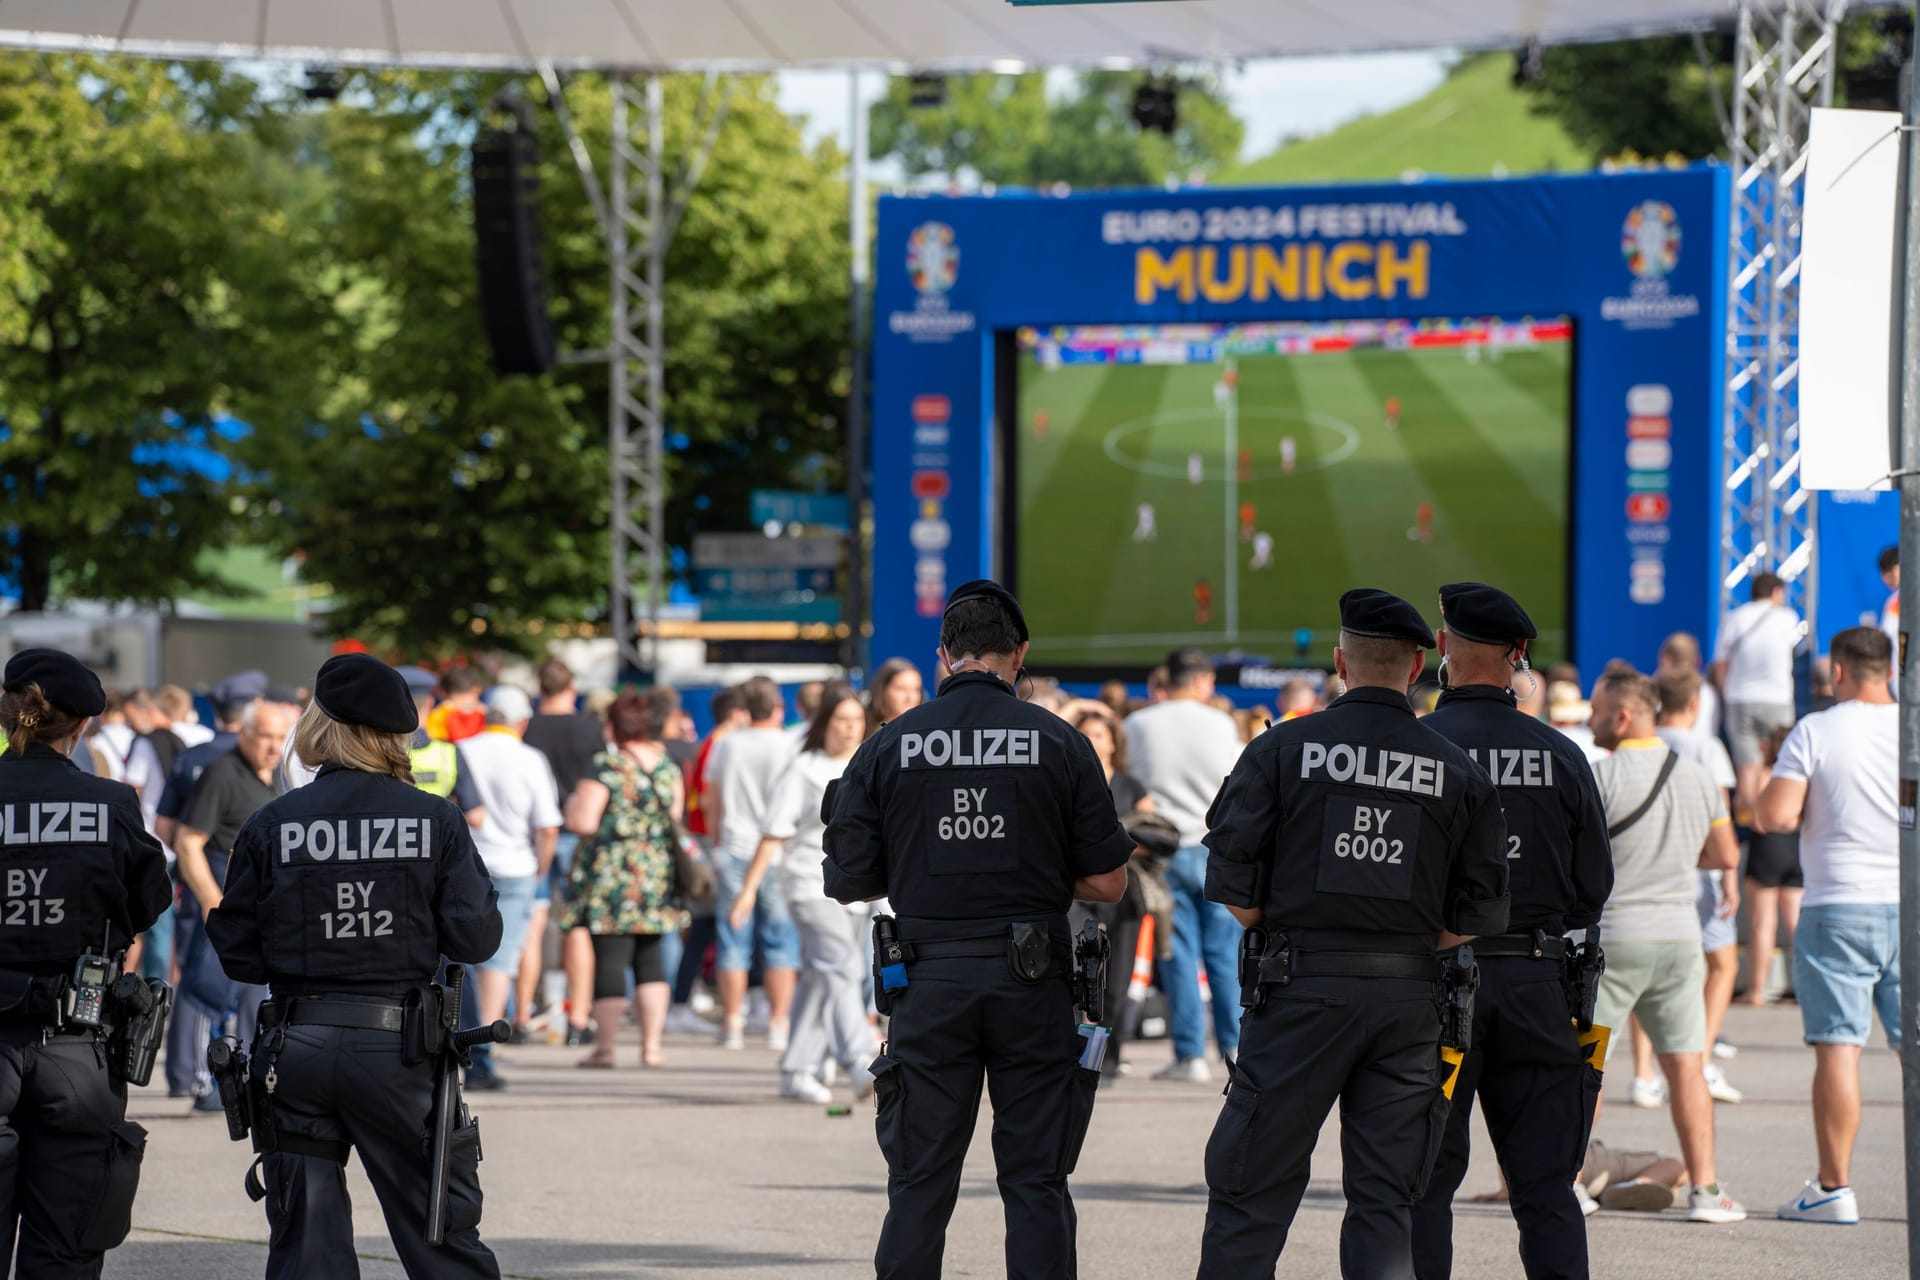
<point>349,1085</point>
<point>957,1021</point>
<point>1538,1094</point>
<point>1373,1044</point>
<point>69,1157</point>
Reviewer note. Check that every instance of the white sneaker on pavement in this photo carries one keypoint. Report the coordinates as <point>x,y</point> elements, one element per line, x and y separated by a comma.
<point>1717,1084</point>
<point>733,1035</point>
<point>1817,1204</point>
<point>862,1081</point>
<point>1647,1093</point>
<point>1186,1070</point>
<point>1711,1204</point>
<point>797,1086</point>
<point>829,1072</point>
<point>778,1031</point>
<point>1588,1206</point>
<point>1721,1049</point>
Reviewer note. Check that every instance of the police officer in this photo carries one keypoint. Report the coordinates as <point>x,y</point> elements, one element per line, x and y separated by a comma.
<point>1356,841</point>
<point>82,878</point>
<point>342,896</point>
<point>981,819</point>
<point>1535,1087</point>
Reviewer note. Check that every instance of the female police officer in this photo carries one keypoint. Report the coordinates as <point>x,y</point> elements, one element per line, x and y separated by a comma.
<point>82,879</point>
<point>342,896</point>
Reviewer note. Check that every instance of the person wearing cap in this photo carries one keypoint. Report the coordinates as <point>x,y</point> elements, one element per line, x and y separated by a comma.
<point>1526,1065</point>
<point>81,876</point>
<point>1360,841</point>
<point>519,803</point>
<point>342,896</point>
<point>981,818</point>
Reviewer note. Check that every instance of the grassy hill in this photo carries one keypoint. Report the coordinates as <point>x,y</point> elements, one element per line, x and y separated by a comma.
<point>1472,125</point>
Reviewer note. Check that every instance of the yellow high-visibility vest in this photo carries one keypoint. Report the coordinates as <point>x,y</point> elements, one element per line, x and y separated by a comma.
<point>436,767</point>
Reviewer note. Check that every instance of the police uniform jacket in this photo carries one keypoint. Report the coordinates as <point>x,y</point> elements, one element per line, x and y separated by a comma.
<point>973,807</point>
<point>77,865</point>
<point>1373,831</point>
<point>356,882</point>
<point>1559,863</point>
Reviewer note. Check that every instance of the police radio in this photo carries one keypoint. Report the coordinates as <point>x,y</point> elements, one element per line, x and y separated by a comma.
<point>93,977</point>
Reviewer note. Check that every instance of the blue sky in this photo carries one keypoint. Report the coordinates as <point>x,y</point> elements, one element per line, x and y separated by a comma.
<point>1277,99</point>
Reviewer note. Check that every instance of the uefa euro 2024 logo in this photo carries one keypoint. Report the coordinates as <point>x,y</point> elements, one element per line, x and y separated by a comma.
<point>1650,240</point>
<point>933,258</point>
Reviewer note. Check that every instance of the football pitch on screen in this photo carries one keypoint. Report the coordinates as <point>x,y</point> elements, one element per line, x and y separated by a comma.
<point>1392,468</point>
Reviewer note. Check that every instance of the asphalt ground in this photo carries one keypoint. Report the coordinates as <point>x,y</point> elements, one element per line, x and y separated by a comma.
<point>699,1170</point>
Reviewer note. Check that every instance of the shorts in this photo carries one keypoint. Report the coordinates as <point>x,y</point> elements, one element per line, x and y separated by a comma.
<point>1750,724</point>
<point>1773,861</point>
<point>1660,981</point>
<point>772,924</point>
<point>516,914</point>
<point>614,954</point>
<point>1717,933</point>
<point>1846,965</point>
<point>1614,1165</point>
<point>554,888</point>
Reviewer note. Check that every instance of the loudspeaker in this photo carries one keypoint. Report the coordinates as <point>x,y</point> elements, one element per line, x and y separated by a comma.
<point>507,244</point>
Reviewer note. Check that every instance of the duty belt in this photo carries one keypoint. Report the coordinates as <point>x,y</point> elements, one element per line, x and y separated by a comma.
<point>362,1014</point>
<point>992,948</point>
<point>1538,945</point>
<point>1278,968</point>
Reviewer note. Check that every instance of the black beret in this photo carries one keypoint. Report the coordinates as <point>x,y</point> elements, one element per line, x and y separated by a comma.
<point>1486,615</point>
<point>988,589</point>
<point>355,688</point>
<point>1365,611</point>
<point>65,680</point>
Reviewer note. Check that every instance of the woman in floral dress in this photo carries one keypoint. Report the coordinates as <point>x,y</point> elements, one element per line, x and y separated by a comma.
<point>620,889</point>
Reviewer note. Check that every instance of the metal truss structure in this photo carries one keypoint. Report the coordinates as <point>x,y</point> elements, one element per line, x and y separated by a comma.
<point>639,213</point>
<point>1784,62</point>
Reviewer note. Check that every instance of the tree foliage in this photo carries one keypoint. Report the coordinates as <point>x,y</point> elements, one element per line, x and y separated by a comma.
<point>1656,97</point>
<point>132,316</point>
<point>1011,130</point>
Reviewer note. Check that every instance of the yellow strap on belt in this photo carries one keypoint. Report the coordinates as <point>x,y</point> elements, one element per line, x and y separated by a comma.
<point>1450,1058</point>
<point>1594,1045</point>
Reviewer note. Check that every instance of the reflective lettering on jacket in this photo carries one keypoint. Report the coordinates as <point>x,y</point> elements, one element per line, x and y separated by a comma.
<point>356,839</point>
<point>1371,767</point>
<point>969,748</point>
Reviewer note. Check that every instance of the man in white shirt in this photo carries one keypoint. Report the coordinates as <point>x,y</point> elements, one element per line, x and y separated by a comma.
<point>1182,749</point>
<point>1719,901</point>
<point>1837,780</point>
<point>741,775</point>
<point>516,836</point>
<point>1753,665</point>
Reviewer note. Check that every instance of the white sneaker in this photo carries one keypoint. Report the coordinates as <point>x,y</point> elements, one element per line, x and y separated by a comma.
<point>1714,1206</point>
<point>862,1081</point>
<point>1721,1049</point>
<point>1647,1093</point>
<point>682,1021</point>
<point>797,1086</point>
<point>1588,1206</point>
<point>829,1072</point>
<point>1717,1084</point>
<point>778,1031</point>
<point>733,1034</point>
<point>1817,1204</point>
<point>1186,1070</point>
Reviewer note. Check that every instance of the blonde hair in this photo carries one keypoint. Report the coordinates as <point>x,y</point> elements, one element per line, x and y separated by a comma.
<point>28,717</point>
<point>319,740</point>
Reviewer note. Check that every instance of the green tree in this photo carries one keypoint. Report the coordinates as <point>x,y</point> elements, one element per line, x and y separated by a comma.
<point>452,508</point>
<point>144,256</point>
<point>1010,130</point>
<point>1656,97</point>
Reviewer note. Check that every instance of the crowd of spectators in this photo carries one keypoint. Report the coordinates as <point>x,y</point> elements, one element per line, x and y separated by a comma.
<point>1752,823</point>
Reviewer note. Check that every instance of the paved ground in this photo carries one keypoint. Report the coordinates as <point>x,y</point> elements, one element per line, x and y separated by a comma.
<point>697,1170</point>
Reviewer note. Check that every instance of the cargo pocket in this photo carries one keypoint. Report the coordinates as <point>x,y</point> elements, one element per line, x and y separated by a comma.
<point>112,1215</point>
<point>1232,1140</point>
<point>1084,1085</point>
<point>463,1179</point>
<point>890,1120</point>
